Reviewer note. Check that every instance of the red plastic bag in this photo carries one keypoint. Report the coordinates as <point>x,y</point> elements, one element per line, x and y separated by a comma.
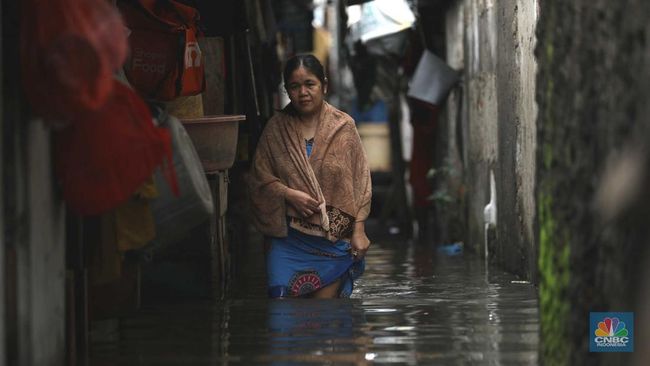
<point>70,50</point>
<point>104,156</point>
<point>165,61</point>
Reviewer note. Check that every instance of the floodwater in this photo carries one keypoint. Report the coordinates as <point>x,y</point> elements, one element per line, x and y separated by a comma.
<point>412,306</point>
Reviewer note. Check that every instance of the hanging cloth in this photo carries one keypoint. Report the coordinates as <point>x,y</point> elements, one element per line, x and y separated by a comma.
<point>103,157</point>
<point>69,52</point>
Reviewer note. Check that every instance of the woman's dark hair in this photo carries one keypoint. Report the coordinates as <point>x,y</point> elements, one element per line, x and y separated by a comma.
<point>309,62</point>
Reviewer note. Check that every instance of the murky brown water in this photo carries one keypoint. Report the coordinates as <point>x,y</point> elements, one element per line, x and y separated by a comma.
<point>410,307</point>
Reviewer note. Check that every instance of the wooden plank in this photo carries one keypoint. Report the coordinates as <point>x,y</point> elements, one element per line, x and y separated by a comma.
<point>214,119</point>
<point>222,192</point>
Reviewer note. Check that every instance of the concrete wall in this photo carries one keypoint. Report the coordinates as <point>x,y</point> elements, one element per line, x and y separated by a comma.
<point>593,95</point>
<point>472,127</point>
<point>32,256</point>
<point>573,174</point>
<point>41,257</point>
<point>492,41</point>
<point>516,247</point>
<point>34,235</point>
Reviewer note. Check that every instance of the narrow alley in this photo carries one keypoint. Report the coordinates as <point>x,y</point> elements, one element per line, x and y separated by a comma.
<point>414,305</point>
<point>360,182</point>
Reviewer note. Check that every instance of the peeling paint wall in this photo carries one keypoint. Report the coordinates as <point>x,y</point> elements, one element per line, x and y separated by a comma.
<point>472,127</point>
<point>493,41</point>
<point>516,247</point>
<point>525,151</point>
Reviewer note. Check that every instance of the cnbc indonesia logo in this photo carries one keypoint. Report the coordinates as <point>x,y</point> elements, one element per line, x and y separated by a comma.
<point>612,332</point>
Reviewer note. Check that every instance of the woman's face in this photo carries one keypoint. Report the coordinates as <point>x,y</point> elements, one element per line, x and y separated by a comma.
<point>306,92</point>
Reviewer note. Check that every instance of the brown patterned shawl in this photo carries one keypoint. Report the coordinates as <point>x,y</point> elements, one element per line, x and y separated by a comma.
<point>335,174</point>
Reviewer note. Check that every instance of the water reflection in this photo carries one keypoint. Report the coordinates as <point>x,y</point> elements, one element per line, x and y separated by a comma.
<point>413,306</point>
<point>313,330</point>
<point>452,310</point>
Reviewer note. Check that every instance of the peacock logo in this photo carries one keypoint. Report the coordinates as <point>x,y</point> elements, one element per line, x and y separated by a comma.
<point>611,327</point>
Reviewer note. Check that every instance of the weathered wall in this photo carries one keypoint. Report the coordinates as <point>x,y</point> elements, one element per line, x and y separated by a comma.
<point>34,238</point>
<point>549,161</point>
<point>40,254</point>
<point>516,72</point>
<point>33,217</point>
<point>451,144</point>
<point>473,126</point>
<point>593,97</point>
<point>492,41</point>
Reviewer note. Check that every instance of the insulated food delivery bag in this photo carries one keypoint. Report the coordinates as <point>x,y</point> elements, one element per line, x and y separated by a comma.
<point>165,60</point>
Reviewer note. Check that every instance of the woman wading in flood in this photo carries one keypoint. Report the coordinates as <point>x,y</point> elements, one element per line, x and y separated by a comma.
<point>310,191</point>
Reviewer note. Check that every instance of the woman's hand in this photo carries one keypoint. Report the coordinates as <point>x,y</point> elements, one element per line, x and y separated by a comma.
<point>360,242</point>
<point>304,204</point>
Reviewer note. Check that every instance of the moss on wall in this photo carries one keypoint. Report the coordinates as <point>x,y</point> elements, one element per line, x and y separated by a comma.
<point>554,244</point>
<point>554,252</point>
<point>592,96</point>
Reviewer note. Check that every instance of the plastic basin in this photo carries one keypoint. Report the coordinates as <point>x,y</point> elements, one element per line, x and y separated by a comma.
<point>215,139</point>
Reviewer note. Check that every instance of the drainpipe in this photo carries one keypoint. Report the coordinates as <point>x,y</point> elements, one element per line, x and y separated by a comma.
<point>490,214</point>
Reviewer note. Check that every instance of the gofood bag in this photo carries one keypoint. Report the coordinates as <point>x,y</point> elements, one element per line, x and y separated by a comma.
<point>165,60</point>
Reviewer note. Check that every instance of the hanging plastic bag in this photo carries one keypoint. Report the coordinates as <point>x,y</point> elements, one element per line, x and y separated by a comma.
<point>176,215</point>
<point>70,50</point>
<point>105,156</point>
<point>379,18</point>
<point>433,79</point>
<point>165,60</point>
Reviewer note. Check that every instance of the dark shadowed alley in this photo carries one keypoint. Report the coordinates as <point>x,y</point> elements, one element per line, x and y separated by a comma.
<point>414,305</point>
<point>494,153</point>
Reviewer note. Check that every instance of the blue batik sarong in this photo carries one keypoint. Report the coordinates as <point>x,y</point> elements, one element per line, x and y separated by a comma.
<point>301,264</point>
